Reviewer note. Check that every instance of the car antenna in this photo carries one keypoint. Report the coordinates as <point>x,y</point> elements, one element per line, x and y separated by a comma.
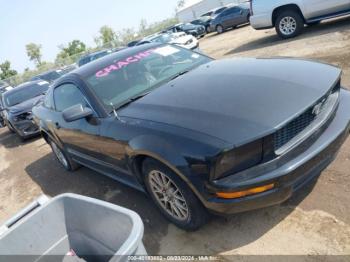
<point>114,111</point>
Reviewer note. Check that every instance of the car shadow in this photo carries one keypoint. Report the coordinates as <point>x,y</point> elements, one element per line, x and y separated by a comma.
<point>325,27</point>
<point>214,34</point>
<point>54,180</point>
<point>11,140</point>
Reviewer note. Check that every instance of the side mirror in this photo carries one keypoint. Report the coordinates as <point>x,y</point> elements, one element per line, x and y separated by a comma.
<point>76,112</point>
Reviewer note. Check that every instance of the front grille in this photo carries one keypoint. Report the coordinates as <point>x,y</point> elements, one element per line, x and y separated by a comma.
<point>293,128</point>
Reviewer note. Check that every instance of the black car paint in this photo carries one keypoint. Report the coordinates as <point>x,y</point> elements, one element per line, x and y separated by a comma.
<point>203,21</point>
<point>189,123</point>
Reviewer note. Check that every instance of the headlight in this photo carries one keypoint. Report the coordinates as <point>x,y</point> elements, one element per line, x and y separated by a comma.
<point>238,159</point>
<point>189,42</point>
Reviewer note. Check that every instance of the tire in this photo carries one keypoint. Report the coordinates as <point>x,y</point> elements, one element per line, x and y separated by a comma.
<point>207,29</point>
<point>63,157</point>
<point>220,29</point>
<point>289,24</point>
<point>184,210</point>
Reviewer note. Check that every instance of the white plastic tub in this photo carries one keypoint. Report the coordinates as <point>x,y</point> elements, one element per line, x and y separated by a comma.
<point>96,230</point>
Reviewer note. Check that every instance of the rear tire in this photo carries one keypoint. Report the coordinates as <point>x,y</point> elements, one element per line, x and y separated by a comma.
<point>63,158</point>
<point>173,196</point>
<point>220,29</point>
<point>289,24</point>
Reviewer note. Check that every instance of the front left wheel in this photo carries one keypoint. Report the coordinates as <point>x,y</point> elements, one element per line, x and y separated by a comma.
<point>173,196</point>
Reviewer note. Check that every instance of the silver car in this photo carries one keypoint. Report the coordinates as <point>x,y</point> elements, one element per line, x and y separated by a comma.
<point>289,17</point>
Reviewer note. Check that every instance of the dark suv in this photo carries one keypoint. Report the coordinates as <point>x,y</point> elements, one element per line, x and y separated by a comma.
<point>230,18</point>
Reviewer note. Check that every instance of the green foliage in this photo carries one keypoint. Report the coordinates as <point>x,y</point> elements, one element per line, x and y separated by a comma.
<point>69,53</point>
<point>107,37</point>
<point>34,53</point>
<point>6,71</point>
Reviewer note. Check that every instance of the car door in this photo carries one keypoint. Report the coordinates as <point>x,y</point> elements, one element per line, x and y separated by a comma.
<point>80,138</point>
<point>316,8</point>
<point>231,17</point>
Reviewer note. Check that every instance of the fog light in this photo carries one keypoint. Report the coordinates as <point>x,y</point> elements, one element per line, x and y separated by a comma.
<point>251,191</point>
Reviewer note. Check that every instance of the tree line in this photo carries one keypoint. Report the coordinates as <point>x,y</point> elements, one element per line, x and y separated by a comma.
<point>70,52</point>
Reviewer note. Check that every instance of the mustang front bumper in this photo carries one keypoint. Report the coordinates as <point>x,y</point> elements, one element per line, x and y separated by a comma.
<point>287,177</point>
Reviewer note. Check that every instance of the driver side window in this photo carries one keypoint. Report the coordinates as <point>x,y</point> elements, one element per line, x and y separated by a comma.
<point>68,95</point>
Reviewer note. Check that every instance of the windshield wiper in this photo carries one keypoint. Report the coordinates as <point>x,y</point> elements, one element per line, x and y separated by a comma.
<point>179,74</point>
<point>128,101</point>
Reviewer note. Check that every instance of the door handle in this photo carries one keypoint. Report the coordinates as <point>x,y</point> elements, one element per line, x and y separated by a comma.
<point>57,125</point>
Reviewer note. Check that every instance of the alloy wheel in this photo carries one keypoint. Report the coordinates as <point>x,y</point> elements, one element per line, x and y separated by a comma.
<point>288,25</point>
<point>168,195</point>
<point>59,154</point>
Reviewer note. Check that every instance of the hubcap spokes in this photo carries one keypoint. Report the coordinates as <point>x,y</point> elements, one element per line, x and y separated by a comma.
<point>168,195</point>
<point>288,25</point>
<point>59,155</point>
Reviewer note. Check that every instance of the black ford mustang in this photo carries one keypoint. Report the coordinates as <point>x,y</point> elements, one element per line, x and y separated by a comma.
<point>198,134</point>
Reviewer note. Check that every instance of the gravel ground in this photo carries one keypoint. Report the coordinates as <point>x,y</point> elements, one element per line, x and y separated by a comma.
<point>316,221</point>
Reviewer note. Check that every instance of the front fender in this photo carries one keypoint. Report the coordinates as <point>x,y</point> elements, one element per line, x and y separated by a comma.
<point>168,154</point>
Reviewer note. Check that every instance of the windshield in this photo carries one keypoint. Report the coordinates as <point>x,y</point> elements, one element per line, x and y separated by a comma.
<point>24,94</point>
<point>140,73</point>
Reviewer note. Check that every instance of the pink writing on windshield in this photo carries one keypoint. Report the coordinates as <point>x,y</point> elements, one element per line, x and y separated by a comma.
<point>119,64</point>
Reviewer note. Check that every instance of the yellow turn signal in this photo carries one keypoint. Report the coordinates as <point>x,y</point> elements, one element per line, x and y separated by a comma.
<point>251,191</point>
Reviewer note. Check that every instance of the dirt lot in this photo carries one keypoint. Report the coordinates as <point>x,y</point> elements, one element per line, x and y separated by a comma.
<point>316,221</point>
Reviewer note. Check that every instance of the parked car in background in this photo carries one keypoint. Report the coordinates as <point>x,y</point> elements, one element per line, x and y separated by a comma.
<point>230,18</point>
<point>214,11</point>
<point>204,21</point>
<point>181,39</point>
<point>48,76</point>
<point>133,43</point>
<point>93,56</point>
<point>190,130</point>
<point>96,55</point>
<point>288,17</point>
<point>68,68</point>
<point>3,88</point>
<point>17,107</point>
<point>191,29</point>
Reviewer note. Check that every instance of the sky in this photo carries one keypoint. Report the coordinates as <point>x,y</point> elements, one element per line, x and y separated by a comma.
<point>55,22</point>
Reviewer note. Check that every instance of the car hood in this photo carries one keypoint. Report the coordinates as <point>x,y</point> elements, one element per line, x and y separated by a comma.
<point>25,106</point>
<point>237,100</point>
